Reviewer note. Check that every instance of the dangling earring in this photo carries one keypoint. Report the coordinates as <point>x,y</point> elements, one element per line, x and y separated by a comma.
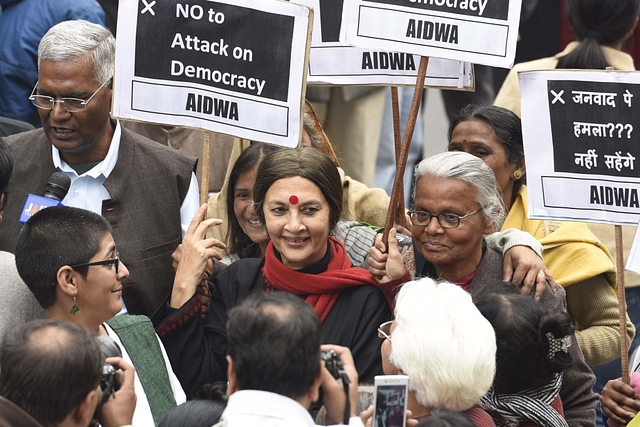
<point>75,309</point>
<point>266,232</point>
<point>517,175</point>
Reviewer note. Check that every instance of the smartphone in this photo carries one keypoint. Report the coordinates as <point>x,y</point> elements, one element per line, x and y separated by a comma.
<point>390,400</point>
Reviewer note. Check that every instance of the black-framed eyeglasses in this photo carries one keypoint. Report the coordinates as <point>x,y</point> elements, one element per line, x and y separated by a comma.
<point>115,261</point>
<point>384,330</point>
<point>446,220</point>
<point>72,105</point>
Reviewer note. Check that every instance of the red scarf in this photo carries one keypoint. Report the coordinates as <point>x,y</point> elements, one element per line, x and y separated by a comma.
<point>322,289</point>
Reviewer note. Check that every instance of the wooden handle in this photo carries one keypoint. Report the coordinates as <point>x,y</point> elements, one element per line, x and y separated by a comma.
<point>206,162</point>
<point>401,162</point>
<point>622,306</point>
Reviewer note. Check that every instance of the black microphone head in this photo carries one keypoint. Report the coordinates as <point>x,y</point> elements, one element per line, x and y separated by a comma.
<point>57,187</point>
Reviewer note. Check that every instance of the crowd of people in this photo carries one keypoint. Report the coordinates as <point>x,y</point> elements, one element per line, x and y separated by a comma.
<point>134,304</point>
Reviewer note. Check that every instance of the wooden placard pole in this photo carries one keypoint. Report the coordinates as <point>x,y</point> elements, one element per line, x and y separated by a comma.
<point>622,306</point>
<point>206,163</point>
<point>622,301</point>
<point>397,139</point>
<point>401,162</point>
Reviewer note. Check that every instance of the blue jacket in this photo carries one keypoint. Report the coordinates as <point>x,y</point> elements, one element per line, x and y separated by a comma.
<point>22,24</point>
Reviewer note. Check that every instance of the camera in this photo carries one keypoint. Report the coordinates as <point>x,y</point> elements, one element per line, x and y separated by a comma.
<point>332,362</point>
<point>109,381</point>
<point>334,365</point>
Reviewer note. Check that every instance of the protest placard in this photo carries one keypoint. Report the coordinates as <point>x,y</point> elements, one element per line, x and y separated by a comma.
<point>477,31</point>
<point>580,145</point>
<point>580,150</point>
<point>236,67</point>
<point>332,62</point>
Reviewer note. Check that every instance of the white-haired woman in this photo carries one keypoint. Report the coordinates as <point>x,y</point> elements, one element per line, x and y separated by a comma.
<point>456,203</point>
<point>446,347</point>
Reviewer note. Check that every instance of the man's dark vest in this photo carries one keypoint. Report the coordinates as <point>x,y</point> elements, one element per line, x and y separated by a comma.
<point>147,188</point>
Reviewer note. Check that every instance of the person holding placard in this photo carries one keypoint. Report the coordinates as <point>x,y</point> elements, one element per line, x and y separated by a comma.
<point>577,260</point>
<point>457,203</point>
<point>247,235</point>
<point>600,27</point>
<point>619,401</point>
<point>298,195</point>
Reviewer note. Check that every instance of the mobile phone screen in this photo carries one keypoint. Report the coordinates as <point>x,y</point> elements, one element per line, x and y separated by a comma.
<point>390,405</point>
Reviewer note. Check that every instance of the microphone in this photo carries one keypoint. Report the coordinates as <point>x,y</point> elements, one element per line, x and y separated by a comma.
<point>57,187</point>
<point>55,191</point>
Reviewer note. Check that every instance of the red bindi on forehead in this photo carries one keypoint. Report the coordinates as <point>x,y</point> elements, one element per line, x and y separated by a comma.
<point>293,200</point>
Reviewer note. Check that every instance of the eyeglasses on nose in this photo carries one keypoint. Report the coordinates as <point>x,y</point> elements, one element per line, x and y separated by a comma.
<point>115,261</point>
<point>446,220</point>
<point>72,105</point>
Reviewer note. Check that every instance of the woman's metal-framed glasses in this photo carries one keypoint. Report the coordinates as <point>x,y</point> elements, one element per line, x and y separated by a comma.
<point>446,220</point>
<point>72,105</point>
<point>384,330</point>
<point>115,261</point>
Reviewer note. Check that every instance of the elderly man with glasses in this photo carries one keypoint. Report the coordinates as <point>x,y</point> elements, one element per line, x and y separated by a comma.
<point>147,192</point>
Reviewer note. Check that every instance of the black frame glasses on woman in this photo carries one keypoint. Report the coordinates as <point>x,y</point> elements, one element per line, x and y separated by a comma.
<point>115,261</point>
<point>446,220</point>
<point>72,105</point>
<point>384,330</point>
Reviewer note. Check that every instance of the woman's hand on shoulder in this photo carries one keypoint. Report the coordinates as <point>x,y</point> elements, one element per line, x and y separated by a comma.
<point>523,267</point>
<point>195,254</point>
<point>386,266</point>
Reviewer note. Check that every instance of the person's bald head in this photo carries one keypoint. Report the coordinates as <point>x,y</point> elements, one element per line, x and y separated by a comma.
<point>54,365</point>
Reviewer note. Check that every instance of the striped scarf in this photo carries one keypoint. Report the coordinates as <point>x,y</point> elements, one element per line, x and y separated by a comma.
<point>528,405</point>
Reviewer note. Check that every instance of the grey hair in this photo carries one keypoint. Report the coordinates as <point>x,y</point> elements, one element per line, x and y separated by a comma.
<point>468,168</point>
<point>73,40</point>
<point>443,343</point>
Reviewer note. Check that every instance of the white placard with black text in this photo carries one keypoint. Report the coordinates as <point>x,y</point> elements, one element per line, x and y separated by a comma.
<point>214,65</point>
<point>581,144</point>
<point>476,31</point>
<point>334,63</point>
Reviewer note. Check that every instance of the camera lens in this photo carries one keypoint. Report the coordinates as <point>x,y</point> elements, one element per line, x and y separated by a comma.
<point>109,382</point>
<point>108,346</point>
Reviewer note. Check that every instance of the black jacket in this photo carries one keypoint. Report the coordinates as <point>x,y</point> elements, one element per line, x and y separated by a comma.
<point>197,348</point>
